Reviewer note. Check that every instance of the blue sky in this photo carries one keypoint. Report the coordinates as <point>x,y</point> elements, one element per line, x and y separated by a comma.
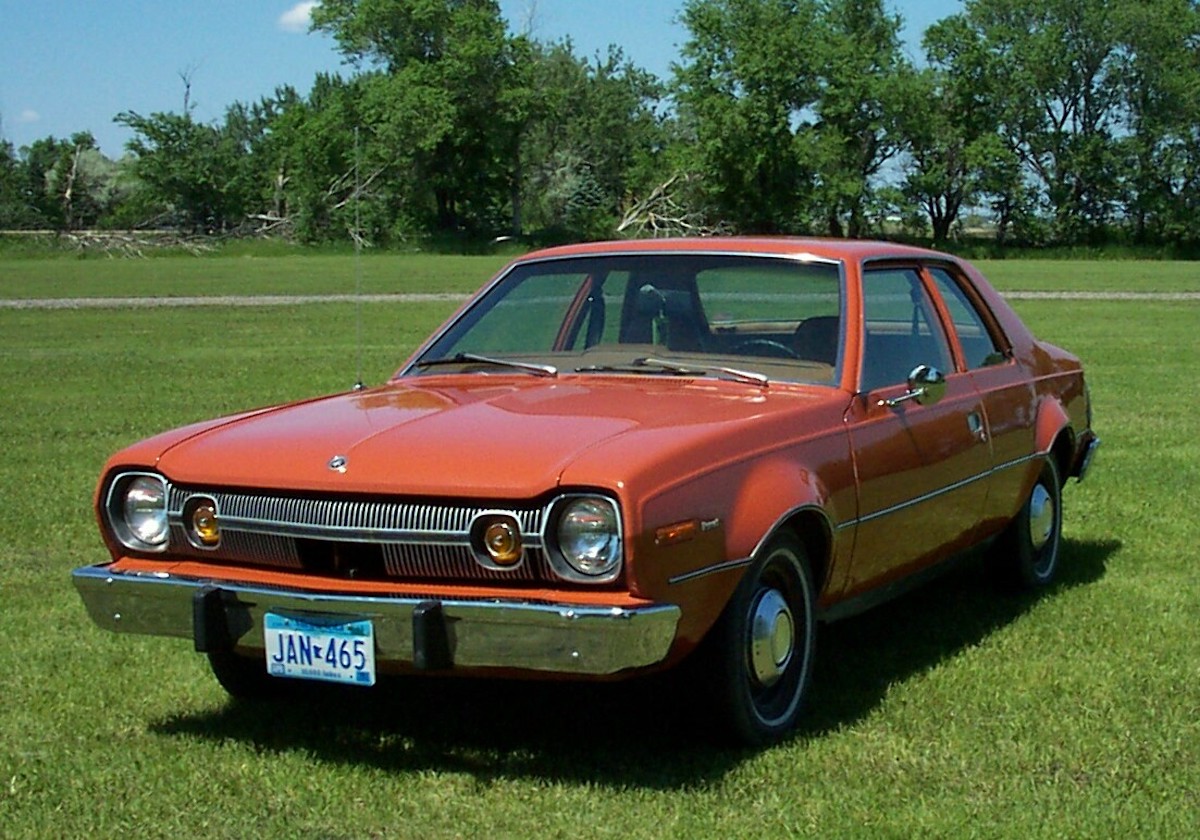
<point>72,65</point>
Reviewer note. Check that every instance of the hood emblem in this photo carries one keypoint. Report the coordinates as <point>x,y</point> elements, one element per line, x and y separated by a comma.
<point>338,463</point>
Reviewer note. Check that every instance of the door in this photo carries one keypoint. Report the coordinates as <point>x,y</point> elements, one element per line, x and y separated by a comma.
<point>1009,399</point>
<point>922,470</point>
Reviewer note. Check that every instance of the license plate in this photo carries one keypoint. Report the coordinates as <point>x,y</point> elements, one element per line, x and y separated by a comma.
<point>314,649</point>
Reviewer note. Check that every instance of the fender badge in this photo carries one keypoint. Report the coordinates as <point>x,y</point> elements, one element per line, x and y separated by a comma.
<point>338,463</point>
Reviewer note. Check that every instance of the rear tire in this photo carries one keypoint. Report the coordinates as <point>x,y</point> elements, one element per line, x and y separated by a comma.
<point>760,653</point>
<point>1026,554</point>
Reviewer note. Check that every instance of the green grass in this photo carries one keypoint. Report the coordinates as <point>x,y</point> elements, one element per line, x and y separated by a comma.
<point>952,712</point>
<point>297,274</point>
<point>1091,275</point>
<point>278,271</point>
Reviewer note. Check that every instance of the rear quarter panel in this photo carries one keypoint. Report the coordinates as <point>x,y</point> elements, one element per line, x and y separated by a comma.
<point>1057,402</point>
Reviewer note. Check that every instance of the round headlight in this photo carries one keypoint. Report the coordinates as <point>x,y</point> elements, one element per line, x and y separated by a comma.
<point>589,536</point>
<point>144,509</point>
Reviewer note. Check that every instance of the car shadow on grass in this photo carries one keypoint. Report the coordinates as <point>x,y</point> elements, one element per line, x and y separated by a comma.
<point>861,657</point>
<point>649,733</point>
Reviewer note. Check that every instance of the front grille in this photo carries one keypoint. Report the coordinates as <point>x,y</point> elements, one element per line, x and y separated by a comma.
<point>355,538</point>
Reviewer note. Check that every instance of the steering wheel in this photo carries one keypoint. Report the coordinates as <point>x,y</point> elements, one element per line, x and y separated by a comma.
<point>764,347</point>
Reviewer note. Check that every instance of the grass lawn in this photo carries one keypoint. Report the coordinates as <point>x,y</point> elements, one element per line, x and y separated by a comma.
<point>952,712</point>
<point>299,273</point>
<point>1091,275</point>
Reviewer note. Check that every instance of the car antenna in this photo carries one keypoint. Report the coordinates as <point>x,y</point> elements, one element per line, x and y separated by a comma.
<point>358,339</point>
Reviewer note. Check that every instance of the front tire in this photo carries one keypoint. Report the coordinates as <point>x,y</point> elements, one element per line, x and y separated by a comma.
<point>762,647</point>
<point>244,677</point>
<point>1026,554</point>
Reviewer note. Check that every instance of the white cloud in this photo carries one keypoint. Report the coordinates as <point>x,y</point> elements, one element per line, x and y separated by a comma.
<point>296,19</point>
<point>28,116</point>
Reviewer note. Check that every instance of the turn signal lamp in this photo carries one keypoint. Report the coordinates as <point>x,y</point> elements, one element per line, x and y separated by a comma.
<point>502,542</point>
<point>677,532</point>
<point>205,528</point>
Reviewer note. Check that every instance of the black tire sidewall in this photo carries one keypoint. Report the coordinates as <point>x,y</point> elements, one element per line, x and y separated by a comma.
<point>244,677</point>
<point>1029,558</point>
<point>1013,558</point>
<point>762,717</point>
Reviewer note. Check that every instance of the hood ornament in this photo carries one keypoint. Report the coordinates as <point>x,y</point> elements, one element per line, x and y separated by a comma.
<point>338,463</point>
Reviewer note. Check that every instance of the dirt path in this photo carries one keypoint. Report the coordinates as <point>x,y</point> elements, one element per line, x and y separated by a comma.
<point>218,300</point>
<point>438,297</point>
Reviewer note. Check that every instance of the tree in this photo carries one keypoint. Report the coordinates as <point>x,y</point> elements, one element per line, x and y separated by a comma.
<point>747,82</point>
<point>791,109</point>
<point>64,184</point>
<point>937,178</point>
<point>188,168</point>
<point>956,155</point>
<point>257,151</point>
<point>1047,71</point>
<point>328,168</point>
<point>445,68</point>
<point>81,181</point>
<point>14,213</point>
<point>865,81</point>
<point>1160,82</point>
<point>591,139</point>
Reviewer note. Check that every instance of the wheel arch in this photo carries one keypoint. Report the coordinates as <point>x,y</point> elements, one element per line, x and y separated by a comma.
<point>1055,436</point>
<point>811,526</point>
<point>1063,452</point>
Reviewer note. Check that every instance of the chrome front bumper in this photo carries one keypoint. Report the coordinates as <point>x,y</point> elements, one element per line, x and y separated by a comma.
<point>557,638</point>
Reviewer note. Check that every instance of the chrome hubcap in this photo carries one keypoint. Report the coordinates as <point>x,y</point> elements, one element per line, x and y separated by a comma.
<point>772,637</point>
<point>1041,517</point>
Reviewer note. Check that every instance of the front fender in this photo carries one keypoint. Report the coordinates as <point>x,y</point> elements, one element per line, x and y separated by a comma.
<point>773,493</point>
<point>736,509</point>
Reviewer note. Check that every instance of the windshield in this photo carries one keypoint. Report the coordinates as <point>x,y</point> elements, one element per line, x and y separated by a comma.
<point>774,316</point>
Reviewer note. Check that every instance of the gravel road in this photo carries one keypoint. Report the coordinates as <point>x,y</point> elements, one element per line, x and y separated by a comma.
<point>217,300</point>
<point>436,297</point>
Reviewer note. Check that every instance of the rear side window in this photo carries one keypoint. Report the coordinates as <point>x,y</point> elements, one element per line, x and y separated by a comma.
<point>980,348</point>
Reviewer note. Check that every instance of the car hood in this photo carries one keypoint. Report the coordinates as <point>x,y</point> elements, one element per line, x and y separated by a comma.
<point>495,437</point>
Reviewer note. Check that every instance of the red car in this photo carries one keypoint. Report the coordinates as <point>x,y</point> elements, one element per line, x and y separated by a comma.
<point>614,457</point>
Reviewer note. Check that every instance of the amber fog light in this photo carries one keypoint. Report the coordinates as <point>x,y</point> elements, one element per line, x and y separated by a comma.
<point>497,538</point>
<point>502,543</point>
<point>204,526</point>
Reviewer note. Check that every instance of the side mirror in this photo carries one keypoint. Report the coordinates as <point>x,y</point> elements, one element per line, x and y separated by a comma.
<point>926,386</point>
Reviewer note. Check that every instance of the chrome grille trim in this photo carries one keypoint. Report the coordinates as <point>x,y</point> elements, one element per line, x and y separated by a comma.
<point>436,561</point>
<point>417,540</point>
<point>353,521</point>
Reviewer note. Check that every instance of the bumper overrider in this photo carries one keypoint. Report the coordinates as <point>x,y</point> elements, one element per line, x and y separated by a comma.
<point>1086,456</point>
<point>425,634</point>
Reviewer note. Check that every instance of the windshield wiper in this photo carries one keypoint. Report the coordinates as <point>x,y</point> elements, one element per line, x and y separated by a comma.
<point>747,376</point>
<point>463,358</point>
<point>634,367</point>
<point>677,369</point>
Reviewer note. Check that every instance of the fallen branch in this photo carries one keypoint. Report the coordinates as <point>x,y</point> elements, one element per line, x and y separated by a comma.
<point>662,214</point>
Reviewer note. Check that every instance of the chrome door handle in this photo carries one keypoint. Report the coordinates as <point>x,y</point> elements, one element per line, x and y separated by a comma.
<point>975,424</point>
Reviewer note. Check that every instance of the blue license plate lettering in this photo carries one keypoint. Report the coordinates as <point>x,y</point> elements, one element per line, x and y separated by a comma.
<point>318,649</point>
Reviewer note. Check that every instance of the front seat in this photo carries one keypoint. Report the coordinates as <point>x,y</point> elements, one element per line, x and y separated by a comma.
<point>816,339</point>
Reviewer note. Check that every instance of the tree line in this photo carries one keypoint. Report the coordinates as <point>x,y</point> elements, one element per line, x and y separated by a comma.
<point>1048,121</point>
